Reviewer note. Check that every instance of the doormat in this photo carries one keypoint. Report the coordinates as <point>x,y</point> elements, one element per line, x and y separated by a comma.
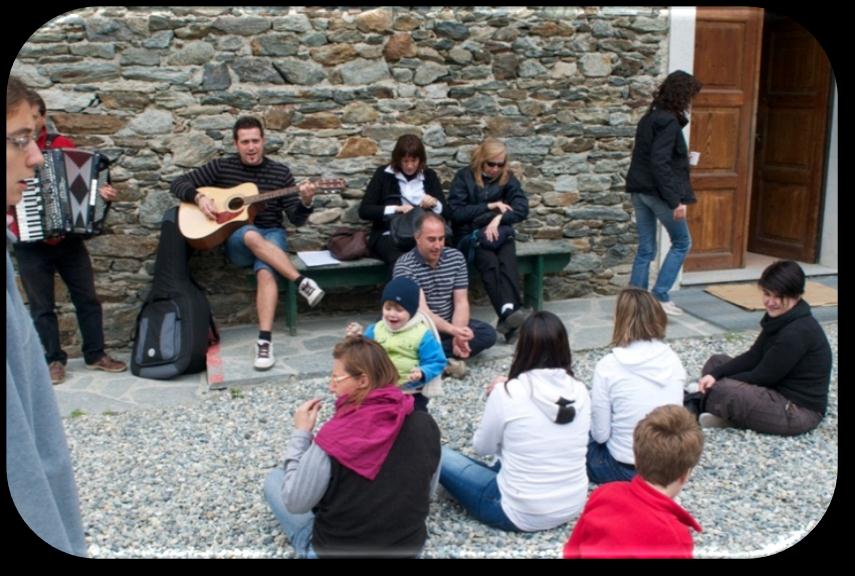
<point>748,295</point>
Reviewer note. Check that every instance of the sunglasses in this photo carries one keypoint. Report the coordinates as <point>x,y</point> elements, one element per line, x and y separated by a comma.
<point>495,164</point>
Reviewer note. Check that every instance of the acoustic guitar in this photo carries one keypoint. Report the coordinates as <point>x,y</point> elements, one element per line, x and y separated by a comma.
<point>235,207</point>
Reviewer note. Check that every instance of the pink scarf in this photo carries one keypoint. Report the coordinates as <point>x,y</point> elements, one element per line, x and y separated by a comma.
<point>360,438</point>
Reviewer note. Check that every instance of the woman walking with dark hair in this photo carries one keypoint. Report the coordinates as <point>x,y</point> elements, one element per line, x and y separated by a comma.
<point>780,385</point>
<point>536,421</point>
<point>658,180</point>
<point>405,183</point>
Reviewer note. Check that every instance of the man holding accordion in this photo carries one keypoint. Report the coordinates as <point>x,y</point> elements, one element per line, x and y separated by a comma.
<point>39,261</point>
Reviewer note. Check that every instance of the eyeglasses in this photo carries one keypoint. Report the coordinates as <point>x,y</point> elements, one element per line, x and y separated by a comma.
<point>21,141</point>
<point>340,379</point>
<point>495,164</point>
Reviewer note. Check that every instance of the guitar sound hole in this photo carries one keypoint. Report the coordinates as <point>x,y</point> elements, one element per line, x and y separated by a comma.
<point>235,203</point>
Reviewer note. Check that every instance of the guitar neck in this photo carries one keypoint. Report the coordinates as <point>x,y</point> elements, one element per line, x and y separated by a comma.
<point>264,197</point>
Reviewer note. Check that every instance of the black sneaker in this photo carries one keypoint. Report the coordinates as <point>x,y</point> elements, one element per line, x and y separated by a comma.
<point>512,321</point>
<point>512,336</point>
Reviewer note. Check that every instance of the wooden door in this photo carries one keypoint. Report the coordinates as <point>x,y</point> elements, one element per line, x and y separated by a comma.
<point>727,62</point>
<point>792,122</point>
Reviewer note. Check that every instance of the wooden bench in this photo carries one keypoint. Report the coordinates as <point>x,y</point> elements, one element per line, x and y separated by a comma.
<point>534,259</point>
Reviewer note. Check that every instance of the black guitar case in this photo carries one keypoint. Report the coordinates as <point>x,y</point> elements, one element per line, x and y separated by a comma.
<point>175,326</point>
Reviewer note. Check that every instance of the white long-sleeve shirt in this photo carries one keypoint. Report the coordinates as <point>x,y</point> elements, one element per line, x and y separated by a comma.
<point>629,383</point>
<point>543,481</point>
<point>413,191</point>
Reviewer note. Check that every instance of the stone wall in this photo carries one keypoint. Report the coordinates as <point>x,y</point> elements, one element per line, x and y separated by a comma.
<point>158,90</point>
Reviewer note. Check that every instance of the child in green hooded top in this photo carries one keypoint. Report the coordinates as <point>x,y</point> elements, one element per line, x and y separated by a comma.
<point>409,339</point>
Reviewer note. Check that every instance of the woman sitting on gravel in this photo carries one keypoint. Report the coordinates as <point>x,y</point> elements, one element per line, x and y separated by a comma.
<point>641,373</point>
<point>362,486</point>
<point>780,386</point>
<point>537,424</point>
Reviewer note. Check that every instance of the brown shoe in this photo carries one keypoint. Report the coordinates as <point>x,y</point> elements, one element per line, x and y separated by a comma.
<point>57,372</point>
<point>455,368</point>
<point>108,364</point>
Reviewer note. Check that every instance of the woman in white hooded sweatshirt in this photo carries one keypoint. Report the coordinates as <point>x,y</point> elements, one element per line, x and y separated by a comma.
<point>641,373</point>
<point>536,421</point>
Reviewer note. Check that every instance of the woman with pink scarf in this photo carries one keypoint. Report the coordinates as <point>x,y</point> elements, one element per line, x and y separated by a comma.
<point>362,485</point>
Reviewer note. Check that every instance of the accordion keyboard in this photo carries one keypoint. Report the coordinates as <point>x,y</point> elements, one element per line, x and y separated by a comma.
<point>30,211</point>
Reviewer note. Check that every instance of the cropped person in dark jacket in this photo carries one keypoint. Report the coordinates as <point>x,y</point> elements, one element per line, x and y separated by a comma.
<point>487,196</point>
<point>658,180</point>
<point>405,183</point>
<point>780,386</point>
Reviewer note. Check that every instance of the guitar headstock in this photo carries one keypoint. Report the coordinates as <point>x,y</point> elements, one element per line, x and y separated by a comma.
<point>331,184</point>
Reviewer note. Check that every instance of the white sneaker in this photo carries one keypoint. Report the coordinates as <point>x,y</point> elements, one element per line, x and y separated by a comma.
<point>310,290</point>
<point>264,358</point>
<point>708,420</point>
<point>671,309</point>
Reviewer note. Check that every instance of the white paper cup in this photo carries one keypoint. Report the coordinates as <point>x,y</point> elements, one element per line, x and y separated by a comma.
<point>694,158</point>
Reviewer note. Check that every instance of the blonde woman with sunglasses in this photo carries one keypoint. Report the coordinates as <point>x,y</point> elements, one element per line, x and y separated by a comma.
<point>485,201</point>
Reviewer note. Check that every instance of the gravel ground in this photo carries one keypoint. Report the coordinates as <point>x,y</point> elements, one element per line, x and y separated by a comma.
<point>187,482</point>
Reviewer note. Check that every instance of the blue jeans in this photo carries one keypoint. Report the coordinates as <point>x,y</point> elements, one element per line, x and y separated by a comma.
<point>649,209</point>
<point>602,467</point>
<point>241,256</point>
<point>473,485</point>
<point>298,527</point>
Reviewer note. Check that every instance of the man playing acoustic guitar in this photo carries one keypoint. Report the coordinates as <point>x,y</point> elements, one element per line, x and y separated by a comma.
<point>261,244</point>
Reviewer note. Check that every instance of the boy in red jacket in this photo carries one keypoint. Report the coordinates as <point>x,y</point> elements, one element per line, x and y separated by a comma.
<point>640,519</point>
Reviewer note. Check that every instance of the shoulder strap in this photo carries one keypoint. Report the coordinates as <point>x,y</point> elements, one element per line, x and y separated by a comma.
<point>213,333</point>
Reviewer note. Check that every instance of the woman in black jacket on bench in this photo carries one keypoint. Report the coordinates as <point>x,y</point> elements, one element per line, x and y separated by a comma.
<point>486,200</point>
<point>405,183</point>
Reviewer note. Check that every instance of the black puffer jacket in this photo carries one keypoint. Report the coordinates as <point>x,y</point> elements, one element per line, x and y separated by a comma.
<point>468,202</point>
<point>660,159</point>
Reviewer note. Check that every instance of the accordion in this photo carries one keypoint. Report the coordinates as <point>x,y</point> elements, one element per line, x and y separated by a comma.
<point>63,197</point>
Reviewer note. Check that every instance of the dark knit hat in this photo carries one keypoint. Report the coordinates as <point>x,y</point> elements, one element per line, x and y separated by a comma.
<point>403,291</point>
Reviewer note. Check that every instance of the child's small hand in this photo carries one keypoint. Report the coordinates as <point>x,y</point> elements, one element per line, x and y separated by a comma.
<point>353,329</point>
<point>415,375</point>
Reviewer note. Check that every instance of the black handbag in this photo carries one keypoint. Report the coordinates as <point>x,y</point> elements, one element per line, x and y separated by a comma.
<point>402,228</point>
<point>694,402</point>
<point>468,244</point>
<point>506,232</point>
